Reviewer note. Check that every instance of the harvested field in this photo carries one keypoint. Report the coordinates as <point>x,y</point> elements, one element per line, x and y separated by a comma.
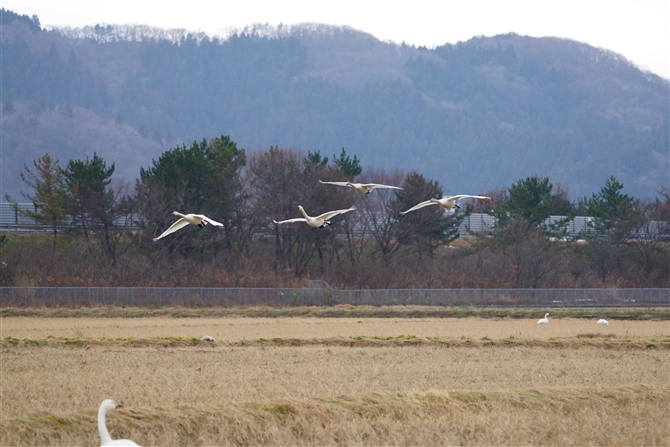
<point>293,381</point>
<point>244,328</point>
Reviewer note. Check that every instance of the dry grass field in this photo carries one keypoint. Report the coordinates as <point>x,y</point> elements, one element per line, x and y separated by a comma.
<point>336,381</point>
<point>234,329</point>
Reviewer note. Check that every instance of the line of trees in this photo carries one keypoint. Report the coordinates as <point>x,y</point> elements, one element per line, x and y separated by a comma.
<point>89,217</point>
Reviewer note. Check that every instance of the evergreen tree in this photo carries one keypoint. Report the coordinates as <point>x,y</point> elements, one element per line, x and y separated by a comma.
<point>92,204</point>
<point>49,196</point>
<point>226,197</point>
<point>532,200</point>
<point>204,178</point>
<point>351,167</point>
<point>615,217</point>
<point>614,214</point>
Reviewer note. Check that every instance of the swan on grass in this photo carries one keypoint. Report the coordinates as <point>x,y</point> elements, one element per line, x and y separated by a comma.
<point>447,202</point>
<point>363,188</point>
<point>544,320</point>
<point>186,219</point>
<point>318,221</point>
<point>602,322</point>
<point>106,440</point>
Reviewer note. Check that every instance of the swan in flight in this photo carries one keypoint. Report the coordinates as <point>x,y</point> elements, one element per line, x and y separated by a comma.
<point>363,188</point>
<point>318,221</point>
<point>602,322</point>
<point>448,203</point>
<point>544,320</point>
<point>193,219</point>
<point>105,440</point>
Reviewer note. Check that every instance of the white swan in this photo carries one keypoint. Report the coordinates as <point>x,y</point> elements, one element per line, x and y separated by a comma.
<point>544,320</point>
<point>193,219</point>
<point>363,188</point>
<point>105,440</point>
<point>207,338</point>
<point>602,322</point>
<point>447,202</point>
<point>318,221</point>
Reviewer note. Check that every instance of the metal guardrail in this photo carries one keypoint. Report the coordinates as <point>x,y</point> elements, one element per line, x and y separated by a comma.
<point>12,220</point>
<point>325,296</point>
<point>509,297</point>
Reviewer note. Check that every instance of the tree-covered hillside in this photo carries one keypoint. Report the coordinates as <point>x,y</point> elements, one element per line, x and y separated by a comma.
<point>475,116</point>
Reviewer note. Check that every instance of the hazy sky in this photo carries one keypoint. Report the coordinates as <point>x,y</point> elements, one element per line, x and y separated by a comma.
<point>637,29</point>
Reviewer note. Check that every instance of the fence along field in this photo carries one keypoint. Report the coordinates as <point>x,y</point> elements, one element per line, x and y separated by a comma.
<point>320,294</point>
<point>336,381</point>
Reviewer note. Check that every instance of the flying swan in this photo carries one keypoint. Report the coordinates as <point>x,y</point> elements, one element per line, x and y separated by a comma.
<point>448,203</point>
<point>105,440</point>
<point>544,320</point>
<point>602,322</point>
<point>363,188</point>
<point>193,219</point>
<point>318,221</point>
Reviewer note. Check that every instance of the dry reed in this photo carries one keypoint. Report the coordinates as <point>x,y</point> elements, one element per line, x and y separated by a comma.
<point>568,416</point>
<point>460,382</point>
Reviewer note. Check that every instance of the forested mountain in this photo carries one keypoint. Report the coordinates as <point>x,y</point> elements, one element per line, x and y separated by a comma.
<point>475,116</point>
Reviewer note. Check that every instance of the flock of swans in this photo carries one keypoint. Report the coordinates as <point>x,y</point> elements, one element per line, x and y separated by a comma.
<point>545,320</point>
<point>322,220</point>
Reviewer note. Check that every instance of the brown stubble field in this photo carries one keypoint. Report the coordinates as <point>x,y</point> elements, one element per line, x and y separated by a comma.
<point>313,381</point>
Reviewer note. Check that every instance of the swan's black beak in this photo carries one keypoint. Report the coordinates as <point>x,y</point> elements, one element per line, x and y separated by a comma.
<point>118,405</point>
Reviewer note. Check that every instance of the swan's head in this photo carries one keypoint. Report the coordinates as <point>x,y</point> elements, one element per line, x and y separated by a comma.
<point>300,207</point>
<point>176,213</point>
<point>546,315</point>
<point>433,200</point>
<point>109,404</point>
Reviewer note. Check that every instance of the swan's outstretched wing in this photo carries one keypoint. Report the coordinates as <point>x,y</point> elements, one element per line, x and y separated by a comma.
<point>463,196</point>
<point>334,183</point>
<point>297,219</point>
<point>377,185</point>
<point>329,214</point>
<point>181,223</point>
<point>209,221</point>
<point>420,205</point>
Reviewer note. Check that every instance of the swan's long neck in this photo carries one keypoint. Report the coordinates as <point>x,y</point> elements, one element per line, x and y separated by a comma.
<point>102,427</point>
<point>303,213</point>
<point>177,213</point>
